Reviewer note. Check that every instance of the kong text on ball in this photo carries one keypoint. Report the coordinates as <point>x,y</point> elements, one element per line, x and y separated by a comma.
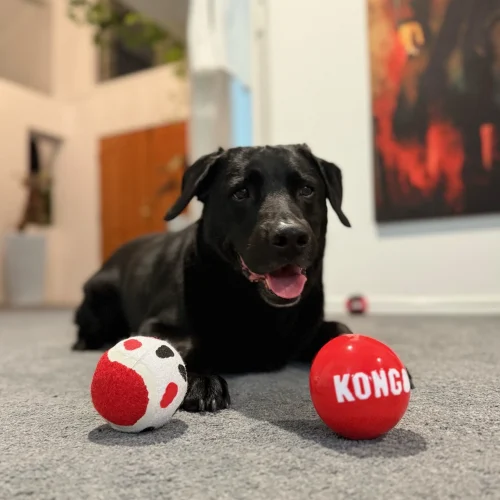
<point>357,304</point>
<point>139,384</point>
<point>359,386</point>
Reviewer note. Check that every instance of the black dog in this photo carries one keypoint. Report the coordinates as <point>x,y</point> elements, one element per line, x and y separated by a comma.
<point>241,289</point>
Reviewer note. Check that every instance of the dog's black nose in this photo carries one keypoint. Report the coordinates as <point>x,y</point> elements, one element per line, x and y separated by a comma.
<point>289,236</point>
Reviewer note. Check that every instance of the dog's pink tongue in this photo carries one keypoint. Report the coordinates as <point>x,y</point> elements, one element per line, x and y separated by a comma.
<point>287,283</point>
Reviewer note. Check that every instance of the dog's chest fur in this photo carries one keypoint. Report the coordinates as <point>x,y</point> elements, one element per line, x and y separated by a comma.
<point>238,330</point>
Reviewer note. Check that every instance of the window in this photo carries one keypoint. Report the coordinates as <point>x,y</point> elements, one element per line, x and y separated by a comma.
<point>42,152</point>
<point>118,58</point>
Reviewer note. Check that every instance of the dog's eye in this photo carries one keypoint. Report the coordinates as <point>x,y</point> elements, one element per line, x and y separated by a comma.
<point>241,194</point>
<point>306,191</point>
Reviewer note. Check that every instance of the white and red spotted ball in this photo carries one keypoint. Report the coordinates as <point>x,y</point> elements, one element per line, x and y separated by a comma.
<point>139,384</point>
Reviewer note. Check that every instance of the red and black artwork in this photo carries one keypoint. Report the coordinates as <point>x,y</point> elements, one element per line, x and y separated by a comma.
<point>435,82</point>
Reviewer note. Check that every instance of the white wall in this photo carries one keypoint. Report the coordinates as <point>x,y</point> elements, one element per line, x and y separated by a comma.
<point>22,110</point>
<point>79,112</point>
<point>319,93</point>
<point>25,43</point>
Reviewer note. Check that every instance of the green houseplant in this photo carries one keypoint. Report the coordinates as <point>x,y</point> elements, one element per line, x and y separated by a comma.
<point>111,21</point>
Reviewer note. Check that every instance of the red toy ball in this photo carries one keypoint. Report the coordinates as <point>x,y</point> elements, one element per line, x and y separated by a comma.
<point>359,386</point>
<point>357,304</point>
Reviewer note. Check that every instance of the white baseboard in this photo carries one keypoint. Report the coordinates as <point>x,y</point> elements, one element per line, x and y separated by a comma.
<point>488,304</point>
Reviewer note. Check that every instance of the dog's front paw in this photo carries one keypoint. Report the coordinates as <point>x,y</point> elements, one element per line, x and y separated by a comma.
<point>206,393</point>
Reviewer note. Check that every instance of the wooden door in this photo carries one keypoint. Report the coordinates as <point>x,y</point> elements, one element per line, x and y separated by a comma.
<point>141,175</point>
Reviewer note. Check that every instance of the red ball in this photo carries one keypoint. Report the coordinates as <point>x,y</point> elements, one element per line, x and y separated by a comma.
<point>357,304</point>
<point>359,386</point>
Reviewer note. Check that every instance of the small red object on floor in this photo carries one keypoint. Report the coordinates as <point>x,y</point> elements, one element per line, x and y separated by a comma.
<point>359,387</point>
<point>357,304</point>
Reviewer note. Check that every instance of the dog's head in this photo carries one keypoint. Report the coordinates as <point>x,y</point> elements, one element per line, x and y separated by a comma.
<point>265,212</point>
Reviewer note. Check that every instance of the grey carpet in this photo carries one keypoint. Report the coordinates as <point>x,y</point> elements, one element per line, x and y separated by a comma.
<point>271,445</point>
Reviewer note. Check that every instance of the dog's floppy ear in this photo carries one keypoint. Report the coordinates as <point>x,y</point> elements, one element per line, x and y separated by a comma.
<point>191,182</point>
<point>332,177</point>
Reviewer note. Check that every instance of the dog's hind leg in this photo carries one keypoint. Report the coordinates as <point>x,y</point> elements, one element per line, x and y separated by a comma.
<point>99,318</point>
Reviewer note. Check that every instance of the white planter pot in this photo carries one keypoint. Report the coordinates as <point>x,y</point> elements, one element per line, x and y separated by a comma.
<point>24,269</point>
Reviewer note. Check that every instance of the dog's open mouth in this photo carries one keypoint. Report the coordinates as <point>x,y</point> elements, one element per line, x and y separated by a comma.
<point>287,282</point>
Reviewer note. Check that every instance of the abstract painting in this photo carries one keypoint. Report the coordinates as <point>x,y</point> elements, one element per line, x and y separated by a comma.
<point>435,97</point>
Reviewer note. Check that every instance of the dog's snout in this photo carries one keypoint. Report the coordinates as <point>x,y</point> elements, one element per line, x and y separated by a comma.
<point>289,236</point>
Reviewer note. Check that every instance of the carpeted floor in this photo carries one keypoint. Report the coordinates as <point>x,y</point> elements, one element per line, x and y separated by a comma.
<point>271,445</point>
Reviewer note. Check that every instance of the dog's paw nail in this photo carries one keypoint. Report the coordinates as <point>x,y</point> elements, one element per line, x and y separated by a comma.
<point>79,345</point>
